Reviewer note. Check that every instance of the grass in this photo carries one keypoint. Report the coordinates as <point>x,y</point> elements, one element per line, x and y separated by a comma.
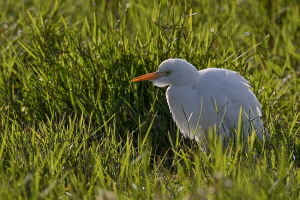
<point>73,126</point>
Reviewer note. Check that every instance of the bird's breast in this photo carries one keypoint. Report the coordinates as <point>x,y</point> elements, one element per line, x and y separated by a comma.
<point>185,106</point>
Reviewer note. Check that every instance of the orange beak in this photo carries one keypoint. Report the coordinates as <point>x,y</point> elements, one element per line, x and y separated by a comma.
<point>151,76</point>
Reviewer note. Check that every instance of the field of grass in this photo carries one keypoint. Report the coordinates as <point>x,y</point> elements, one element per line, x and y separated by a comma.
<point>73,126</point>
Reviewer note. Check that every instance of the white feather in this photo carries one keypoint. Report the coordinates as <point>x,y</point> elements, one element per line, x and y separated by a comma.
<point>209,99</point>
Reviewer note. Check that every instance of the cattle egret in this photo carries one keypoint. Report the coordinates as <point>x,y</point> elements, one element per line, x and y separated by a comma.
<point>207,101</point>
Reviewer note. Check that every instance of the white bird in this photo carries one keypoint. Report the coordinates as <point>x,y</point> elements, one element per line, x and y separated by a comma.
<point>207,101</point>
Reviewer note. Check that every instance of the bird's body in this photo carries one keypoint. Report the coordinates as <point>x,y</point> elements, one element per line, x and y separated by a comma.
<point>207,100</point>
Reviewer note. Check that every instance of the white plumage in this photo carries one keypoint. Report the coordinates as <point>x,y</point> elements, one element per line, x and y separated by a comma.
<point>207,99</point>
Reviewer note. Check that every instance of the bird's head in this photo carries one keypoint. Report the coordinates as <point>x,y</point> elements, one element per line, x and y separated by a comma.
<point>172,72</point>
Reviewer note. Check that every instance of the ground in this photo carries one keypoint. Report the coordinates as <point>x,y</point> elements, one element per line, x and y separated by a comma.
<point>73,126</point>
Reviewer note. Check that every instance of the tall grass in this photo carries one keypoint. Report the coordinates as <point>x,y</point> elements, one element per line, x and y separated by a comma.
<point>74,127</point>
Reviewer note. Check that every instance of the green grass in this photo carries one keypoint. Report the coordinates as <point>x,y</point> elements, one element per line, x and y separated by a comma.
<point>73,126</point>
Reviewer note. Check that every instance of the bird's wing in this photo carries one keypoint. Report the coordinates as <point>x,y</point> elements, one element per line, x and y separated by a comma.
<point>228,91</point>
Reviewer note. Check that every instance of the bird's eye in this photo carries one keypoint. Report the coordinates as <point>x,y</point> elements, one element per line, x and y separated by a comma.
<point>168,72</point>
